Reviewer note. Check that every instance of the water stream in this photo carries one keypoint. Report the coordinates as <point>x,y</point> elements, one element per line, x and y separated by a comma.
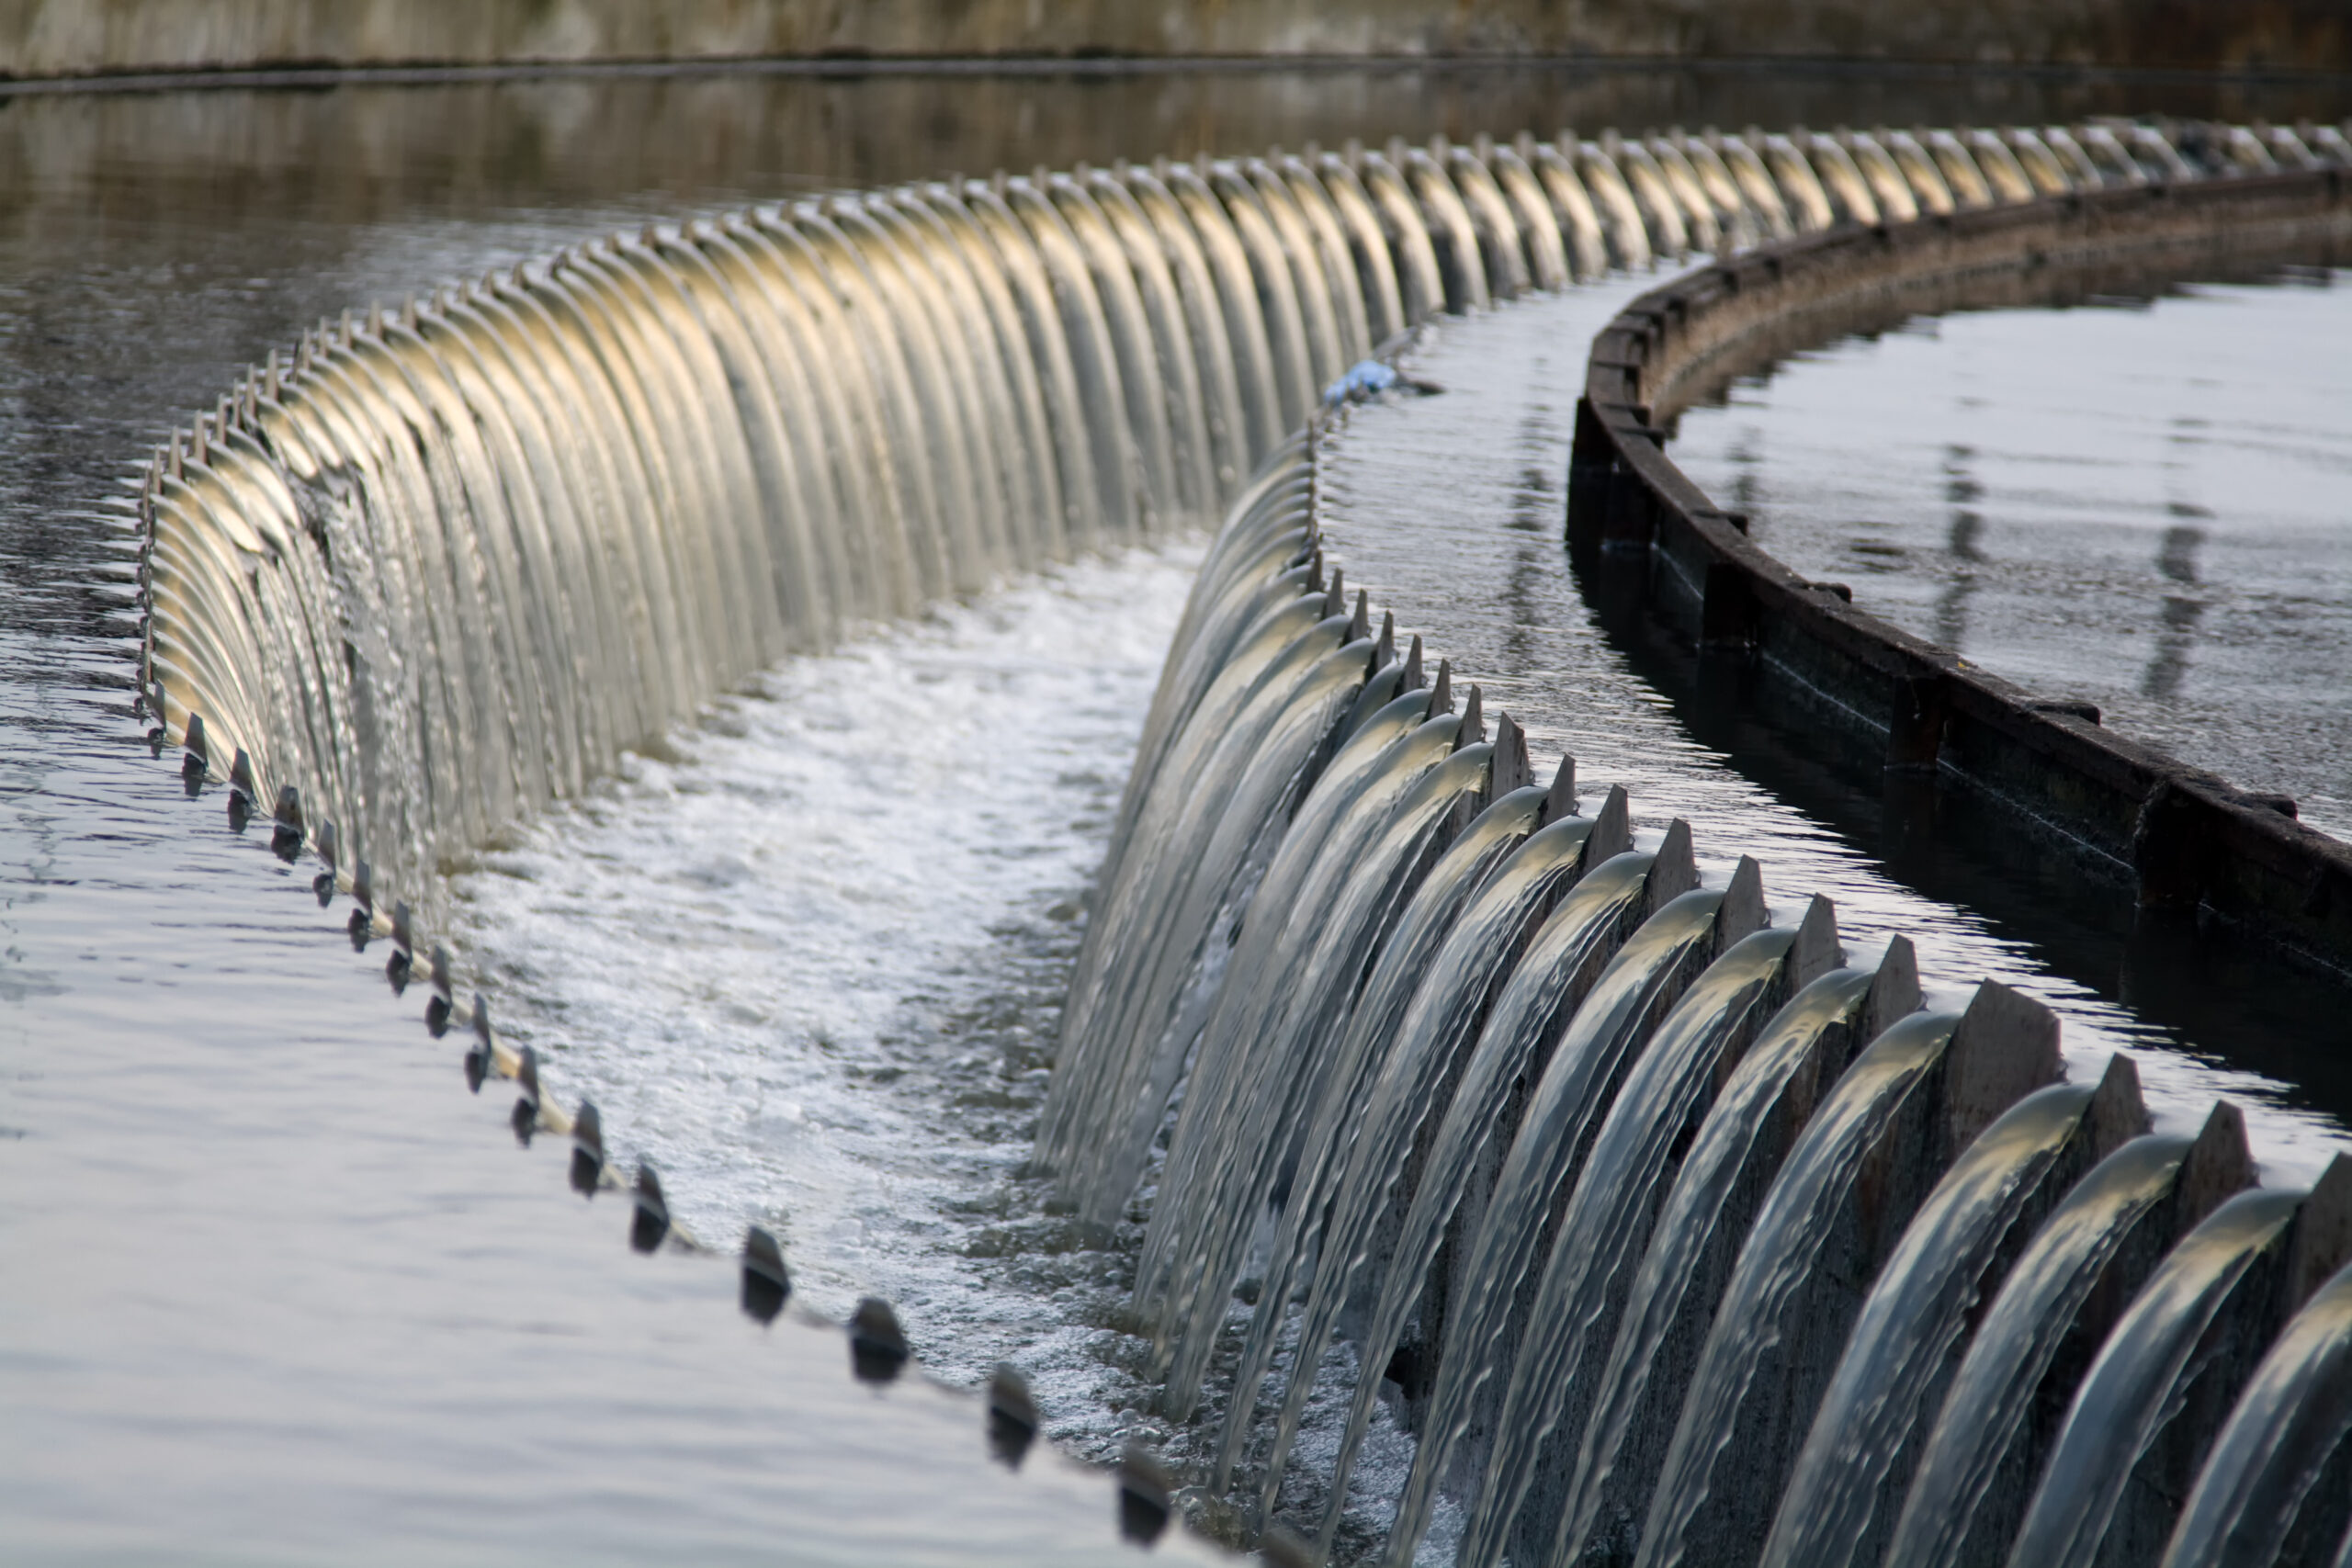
<point>728,635</point>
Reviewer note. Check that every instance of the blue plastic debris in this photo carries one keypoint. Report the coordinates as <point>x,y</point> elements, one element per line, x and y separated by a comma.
<point>1363,379</point>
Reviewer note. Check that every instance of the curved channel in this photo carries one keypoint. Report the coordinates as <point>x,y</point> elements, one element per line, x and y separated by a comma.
<point>432,571</point>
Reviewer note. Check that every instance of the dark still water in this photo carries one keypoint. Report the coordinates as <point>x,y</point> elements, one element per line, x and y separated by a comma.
<point>273,1287</point>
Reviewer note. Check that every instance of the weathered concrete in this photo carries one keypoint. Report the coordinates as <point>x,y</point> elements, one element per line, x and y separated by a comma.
<point>67,38</point>
<point>2180,837</point>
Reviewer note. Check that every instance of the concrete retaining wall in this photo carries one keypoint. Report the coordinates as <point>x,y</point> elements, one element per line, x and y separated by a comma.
<point>70,38</point>
<point>2176,836</point>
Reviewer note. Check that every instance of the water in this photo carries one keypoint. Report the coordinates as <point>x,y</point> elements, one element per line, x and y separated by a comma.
<point>1722,1179</point>
<point>2270,1459</point>
<point>2139,505</point>
<point>279,1290</point>
<point>2135,1386</point>
<point>809,959</point>
<point>1952,1507</point>
<point>1921,1313</point>
<point>1748,1344</point>
<point>1605,1230</point>
<point>295,1198</point>
<point>1424,493</point>
<point>1665,955</point>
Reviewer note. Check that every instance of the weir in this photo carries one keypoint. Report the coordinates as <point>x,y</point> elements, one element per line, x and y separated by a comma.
<point>1672,1231</point>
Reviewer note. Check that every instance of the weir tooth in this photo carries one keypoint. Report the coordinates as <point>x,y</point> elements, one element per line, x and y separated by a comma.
<point>481,1057</point>
<point>1816,950</point>
<point>1674,871</point>
<point>524,1117</point>
<point>1387,651</point>
<point>1335,597</point>
<point>1145,1499</point>
<point>2118,1112</point>
<point>877,1346</point>
<point>1412,679</point>
<point>442,1003</point>
<point>1613,828</point>
<point>1360,626</point>
<point>1473,715</point>
<point>1441,689</point>
<point>1509,768</point>
<point>286,835</point>
<point>1895,989</point>
<point>587,1172</point>
<point>1013,1418</point>
<point>241,779</point>
<point>2323,1243</point>
<point>1743,908</point>
<point>649,1216</point>
<point>2004,1048</point>
<point>766,1284</point>
<point>1560,801</point>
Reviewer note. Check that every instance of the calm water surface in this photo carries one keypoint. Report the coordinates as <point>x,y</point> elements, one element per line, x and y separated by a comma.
<point>2148,506</point>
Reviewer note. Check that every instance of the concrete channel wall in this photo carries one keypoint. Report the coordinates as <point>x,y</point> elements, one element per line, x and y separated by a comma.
<point>2176,836</point>
<point>77,37</point>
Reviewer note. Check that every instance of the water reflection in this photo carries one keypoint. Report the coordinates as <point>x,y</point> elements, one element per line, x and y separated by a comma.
<point>2148,517</point>
<point>1419,502</point>
<point>383,1333</point>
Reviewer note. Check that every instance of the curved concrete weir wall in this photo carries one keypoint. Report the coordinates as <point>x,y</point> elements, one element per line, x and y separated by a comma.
<point>1642,1197</point>
<point>2177,836</point>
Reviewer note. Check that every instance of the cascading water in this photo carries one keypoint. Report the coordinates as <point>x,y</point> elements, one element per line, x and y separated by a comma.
<point>1571,1147</point>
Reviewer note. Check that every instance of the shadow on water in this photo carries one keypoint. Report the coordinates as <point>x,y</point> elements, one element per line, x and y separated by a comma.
<point>2202,985</point>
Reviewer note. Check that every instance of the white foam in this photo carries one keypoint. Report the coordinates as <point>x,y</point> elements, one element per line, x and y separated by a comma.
<point>809,960</point>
